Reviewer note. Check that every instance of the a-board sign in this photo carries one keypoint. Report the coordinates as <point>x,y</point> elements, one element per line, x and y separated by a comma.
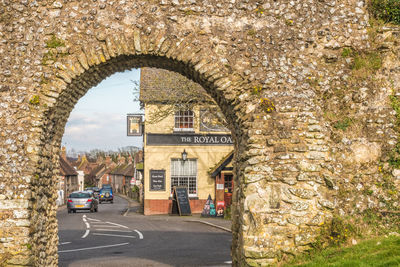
<point>180,201</point>
<point>157,180</point>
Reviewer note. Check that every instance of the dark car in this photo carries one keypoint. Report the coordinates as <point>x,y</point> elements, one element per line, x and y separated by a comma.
<point>82,200</point>
<point>106,195</point>
<point>95,189</point>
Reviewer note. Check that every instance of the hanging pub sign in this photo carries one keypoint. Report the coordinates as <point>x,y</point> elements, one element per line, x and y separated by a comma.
<point>134,125</point>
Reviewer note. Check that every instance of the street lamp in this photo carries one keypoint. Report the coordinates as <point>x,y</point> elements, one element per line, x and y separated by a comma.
<point>184,155</point>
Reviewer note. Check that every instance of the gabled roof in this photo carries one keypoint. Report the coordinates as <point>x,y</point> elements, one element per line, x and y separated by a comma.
<point>118,170</point>
<point>124,170</point>
<point>98,170</point>
<point>221,165</point>
<point>66,169</point>
<point>129,170</point>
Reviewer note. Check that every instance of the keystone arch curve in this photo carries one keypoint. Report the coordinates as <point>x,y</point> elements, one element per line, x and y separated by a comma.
<point>71,84</point>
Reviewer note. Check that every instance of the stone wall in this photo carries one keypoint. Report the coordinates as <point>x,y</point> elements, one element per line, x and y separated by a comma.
<point>276,69</point>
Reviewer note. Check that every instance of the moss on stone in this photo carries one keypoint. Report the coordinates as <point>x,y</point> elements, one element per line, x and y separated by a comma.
<point>34,100</point>
<point>54,42</point>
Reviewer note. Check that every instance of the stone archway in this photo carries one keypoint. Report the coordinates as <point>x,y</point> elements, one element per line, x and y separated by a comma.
<point>57,114</point>
<point>257,60</point>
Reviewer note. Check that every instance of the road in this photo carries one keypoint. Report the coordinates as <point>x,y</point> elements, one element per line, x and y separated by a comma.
<point>107,238</point>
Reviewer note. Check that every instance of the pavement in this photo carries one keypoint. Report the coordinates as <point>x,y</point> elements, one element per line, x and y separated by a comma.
<point>135,209</point>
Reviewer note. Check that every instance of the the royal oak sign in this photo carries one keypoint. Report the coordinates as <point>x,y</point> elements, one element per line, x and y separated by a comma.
<point>188,139</point>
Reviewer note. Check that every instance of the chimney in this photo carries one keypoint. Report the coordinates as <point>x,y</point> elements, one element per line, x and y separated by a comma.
<point>99,159</point>
<point>121,159</point>
<point>64,152</point>
<point>108,160</point>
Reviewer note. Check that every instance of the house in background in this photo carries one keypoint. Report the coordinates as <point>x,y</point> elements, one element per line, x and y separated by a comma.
<point>181,147</point>
<point>122,175</point>
<point>138,175</point>
<point>81,179</point>
<point>95,176</point>
<point>68,179</point>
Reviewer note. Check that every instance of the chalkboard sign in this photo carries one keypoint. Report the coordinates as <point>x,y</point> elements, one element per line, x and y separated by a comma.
<point>180,201</point>
<point>157,180</point>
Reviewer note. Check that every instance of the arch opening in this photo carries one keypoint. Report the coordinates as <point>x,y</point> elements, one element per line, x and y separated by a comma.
<point>44,224</point>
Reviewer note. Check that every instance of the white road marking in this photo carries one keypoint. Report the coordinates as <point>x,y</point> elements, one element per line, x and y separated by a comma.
<point>87,227</point>
<point>94,220</point>
<point>111,226</point>
<point>80,249</point>
<point>115,235</point>
<point>123,226</point>
<point>64,243</point>
<point>228,262</point>
<point>86,234</point>
<point>139,233</point>
<point>113,230</point>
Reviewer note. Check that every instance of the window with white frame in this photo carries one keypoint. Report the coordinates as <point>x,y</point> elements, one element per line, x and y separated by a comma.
<point>184,120</point>
<point>184,173</point>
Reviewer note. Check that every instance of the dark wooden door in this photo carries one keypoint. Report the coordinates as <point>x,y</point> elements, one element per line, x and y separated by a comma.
<point>228,189</point>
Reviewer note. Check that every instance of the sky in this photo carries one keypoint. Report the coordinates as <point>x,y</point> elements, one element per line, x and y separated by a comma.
<point>98,120</point>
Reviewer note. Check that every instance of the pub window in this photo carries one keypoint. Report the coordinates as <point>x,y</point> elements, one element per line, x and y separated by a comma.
<point>184,120</point>
<point>184,173</point>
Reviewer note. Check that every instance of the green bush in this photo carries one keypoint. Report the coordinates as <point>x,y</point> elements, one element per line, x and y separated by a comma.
<point>343,124</point>
<point>135,188</point>
<point>387,10</point>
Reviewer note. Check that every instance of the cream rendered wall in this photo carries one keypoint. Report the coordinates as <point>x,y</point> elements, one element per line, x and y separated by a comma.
<point>159,158</point>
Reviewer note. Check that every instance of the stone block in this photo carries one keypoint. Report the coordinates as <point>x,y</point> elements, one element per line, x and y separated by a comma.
<point>309,167</point>
<point>14,204</point>
<point>275,197</point>
<point>302,193</point>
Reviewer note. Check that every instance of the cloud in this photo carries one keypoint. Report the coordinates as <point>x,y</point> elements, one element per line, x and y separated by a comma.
<point>99,118</point>
<point>87,131</point>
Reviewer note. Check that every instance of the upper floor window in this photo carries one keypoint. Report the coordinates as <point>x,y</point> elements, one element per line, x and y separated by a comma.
<point>184,120</point>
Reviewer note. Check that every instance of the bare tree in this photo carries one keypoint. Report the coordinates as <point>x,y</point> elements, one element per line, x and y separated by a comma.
<point>171,92</point>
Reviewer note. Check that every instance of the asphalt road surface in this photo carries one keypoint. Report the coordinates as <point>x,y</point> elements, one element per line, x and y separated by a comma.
<point>107,238</point>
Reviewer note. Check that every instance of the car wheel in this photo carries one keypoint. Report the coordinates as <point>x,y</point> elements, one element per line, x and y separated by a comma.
<point>69,211</point>
<point>96,209</point>
<point>92,209</point>
<point>112,201</point>
<point>74,211</point>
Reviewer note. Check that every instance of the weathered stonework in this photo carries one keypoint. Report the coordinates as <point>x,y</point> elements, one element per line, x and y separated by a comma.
<point>289,163</point>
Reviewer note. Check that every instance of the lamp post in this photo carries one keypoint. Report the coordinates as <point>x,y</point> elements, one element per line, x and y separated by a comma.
<point>184,155</point>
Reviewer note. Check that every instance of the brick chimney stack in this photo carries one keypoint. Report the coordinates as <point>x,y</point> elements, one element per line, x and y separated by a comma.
<point>64,152</point>
<point>121,159</point>
<point>108,160</point>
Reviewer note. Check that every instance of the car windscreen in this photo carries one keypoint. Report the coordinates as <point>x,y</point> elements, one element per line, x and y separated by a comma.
<point>103,191</point>
<point>79,195</point>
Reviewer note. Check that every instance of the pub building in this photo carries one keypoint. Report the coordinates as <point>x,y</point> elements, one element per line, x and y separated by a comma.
<point>187,146</point>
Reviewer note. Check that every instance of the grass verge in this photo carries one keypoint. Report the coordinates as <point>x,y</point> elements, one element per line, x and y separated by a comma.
<point>381,251</point>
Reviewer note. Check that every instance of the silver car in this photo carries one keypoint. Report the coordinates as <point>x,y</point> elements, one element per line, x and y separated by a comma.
<point>82,200</point>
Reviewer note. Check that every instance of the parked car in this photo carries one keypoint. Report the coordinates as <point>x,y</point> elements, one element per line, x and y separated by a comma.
<point>82,200</point>
<point>106,195</point>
